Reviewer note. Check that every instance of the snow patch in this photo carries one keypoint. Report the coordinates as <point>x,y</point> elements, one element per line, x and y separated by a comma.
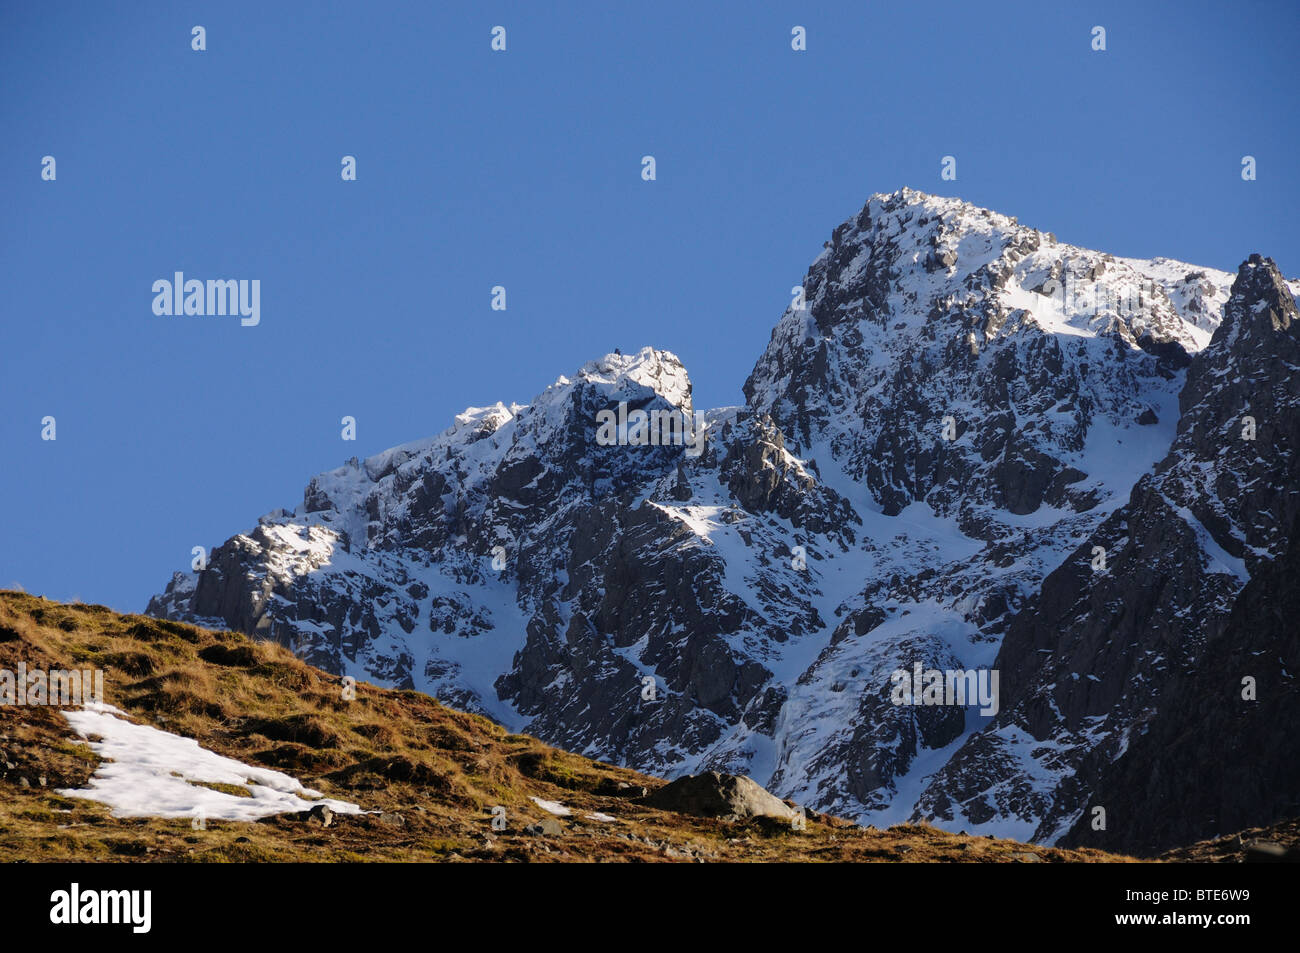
<point>148,772</point>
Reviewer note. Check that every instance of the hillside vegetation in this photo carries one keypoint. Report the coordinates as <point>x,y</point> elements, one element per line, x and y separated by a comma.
<point>430,775</point>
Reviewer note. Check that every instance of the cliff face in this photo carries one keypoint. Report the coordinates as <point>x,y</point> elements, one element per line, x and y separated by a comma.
<point>928,454</point>
<point>1087,666</point>
<point>1220,751</point>
<point>1217,751</point>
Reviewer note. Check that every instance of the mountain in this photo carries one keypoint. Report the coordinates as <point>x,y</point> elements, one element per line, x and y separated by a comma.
<point>200,745</point>
<point>958,422</point>
<point>1100,660</point>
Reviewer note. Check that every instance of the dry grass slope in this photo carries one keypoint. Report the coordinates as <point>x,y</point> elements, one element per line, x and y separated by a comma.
<point>434,773</point>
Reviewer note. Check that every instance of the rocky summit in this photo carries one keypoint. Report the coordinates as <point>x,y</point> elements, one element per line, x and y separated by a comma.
<point>967,447</point>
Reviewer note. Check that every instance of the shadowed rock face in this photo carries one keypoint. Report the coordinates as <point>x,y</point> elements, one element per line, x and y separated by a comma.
<point>1220,752</point>
<point>1087,666</point>
<point>1208,759</point>
<point>926,459</point>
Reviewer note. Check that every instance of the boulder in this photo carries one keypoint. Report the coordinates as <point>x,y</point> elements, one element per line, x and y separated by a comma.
<point>1264,852</point>
<point>612,788</point>
<point>546,827</point>
<point>320,814</point>
<point>725,796</point>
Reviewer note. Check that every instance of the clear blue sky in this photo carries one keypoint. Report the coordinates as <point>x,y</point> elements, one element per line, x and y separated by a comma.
<point>523,169</point>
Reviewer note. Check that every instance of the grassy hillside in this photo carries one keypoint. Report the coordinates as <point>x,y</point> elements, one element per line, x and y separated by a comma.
<point>434,773</point>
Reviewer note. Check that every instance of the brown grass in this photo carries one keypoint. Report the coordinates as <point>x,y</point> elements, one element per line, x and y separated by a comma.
<point>433,772</point>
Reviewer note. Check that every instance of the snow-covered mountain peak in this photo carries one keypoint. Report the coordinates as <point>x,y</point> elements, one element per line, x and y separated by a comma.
<point>956,407</point>
<point>920,255</point>
<point>915,283</point>
<point>1262,302</point>
<point>622,376</point>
